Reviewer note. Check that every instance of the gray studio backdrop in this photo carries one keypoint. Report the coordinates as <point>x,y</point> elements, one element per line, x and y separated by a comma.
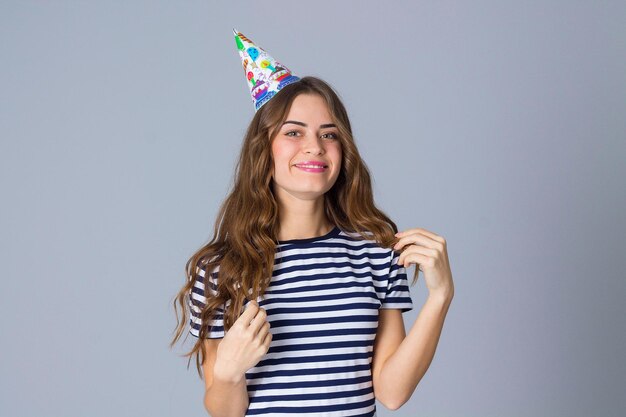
<point>499,125</point>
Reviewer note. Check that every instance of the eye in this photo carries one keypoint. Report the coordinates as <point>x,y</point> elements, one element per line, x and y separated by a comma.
<point>291,131</point>
<point>334,135</point>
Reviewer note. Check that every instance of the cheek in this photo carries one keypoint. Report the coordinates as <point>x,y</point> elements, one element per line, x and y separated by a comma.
<point>282,149</point>
<point>281,161</point>
<point>336,153</point>
<point>282,155</point>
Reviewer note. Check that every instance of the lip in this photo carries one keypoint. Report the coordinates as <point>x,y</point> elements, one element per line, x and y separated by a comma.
<point>320,169</point>
<point>320,163</point>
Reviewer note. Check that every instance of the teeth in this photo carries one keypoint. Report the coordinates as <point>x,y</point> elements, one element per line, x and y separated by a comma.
<point>310,166</point>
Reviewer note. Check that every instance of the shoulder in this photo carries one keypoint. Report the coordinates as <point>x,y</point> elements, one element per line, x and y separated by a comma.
<point>367,243</point>
<point>203,271</point>
<point>204,280</point>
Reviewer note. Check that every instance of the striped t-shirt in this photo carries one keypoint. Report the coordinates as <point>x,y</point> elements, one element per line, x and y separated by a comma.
<point>322,304</point>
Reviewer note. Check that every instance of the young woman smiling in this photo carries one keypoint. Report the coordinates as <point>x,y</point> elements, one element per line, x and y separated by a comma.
<point>297,301</point>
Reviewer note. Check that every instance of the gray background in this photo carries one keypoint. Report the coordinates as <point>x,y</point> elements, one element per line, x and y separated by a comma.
<point>498,125</point>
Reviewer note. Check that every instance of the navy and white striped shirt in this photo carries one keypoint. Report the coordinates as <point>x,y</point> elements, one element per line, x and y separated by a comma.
<point>322,304</point>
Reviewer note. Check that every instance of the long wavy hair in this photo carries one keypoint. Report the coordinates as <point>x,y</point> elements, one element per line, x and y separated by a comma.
<point>246,229</point>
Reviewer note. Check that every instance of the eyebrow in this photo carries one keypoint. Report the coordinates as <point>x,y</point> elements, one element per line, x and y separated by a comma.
<point>305,125</point>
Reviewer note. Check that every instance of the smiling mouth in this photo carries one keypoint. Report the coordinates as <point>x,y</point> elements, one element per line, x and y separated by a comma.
<point>310,166</point>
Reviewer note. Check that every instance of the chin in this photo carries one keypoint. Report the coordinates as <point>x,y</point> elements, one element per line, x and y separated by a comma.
<point>307,194</point>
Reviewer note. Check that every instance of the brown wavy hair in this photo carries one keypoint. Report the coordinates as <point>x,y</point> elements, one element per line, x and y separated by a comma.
<point>246,229</point>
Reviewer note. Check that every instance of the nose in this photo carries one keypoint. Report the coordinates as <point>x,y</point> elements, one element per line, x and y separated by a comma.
<point>313,144</point>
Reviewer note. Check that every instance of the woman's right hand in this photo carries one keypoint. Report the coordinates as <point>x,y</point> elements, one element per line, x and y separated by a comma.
<point>244,344</point>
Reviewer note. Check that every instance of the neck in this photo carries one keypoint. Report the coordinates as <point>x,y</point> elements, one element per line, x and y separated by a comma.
<point>302,219</point>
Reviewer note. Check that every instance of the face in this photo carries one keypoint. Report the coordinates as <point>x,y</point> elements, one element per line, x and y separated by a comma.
<point>308,134</point>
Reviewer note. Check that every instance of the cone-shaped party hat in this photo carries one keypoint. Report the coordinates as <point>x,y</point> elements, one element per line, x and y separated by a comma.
<point>265,75</point>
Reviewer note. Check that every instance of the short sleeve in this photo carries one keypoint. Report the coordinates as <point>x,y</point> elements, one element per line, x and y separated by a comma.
<point>397,294</point>
<point>206,284</point>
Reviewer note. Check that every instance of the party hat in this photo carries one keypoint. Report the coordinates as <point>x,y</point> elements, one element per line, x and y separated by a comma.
<point>265,75</point>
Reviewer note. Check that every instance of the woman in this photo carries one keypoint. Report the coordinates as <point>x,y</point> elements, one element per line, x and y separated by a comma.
<point>297,300</point>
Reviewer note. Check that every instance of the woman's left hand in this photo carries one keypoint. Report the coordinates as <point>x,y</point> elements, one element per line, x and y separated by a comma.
<point>429,252</point>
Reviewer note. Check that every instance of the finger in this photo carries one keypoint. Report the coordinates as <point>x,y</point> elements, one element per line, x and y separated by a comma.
<point>251,310</point>
<point>267,340</point>
<point>431,235</point>
<point>258,321</point>
<point>416,249</point>
<point>264,330</point>
<point>414,238</point>
<point>414,258</point>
